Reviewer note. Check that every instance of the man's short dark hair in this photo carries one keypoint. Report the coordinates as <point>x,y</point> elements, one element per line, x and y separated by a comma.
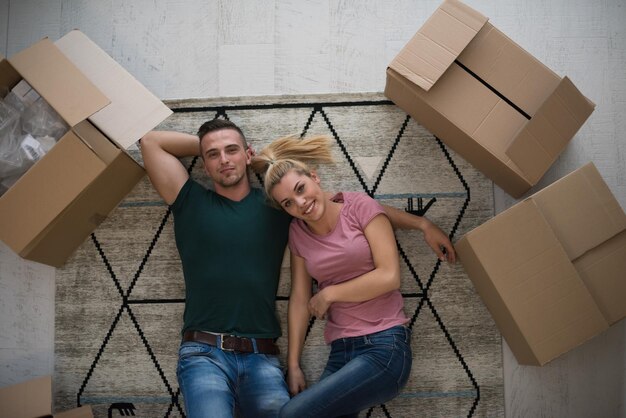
<point>218,125</point>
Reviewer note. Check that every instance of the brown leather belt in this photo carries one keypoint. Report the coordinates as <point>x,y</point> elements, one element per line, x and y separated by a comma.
<point>227,342</point>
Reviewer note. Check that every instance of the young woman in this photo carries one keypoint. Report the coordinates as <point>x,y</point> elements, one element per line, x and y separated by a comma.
<point>347,244</point>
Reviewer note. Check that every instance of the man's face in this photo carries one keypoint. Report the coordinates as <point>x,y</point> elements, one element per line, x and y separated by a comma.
<point>225,158</point>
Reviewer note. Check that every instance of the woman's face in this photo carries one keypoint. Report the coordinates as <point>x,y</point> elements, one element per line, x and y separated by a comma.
<point>300,195</point>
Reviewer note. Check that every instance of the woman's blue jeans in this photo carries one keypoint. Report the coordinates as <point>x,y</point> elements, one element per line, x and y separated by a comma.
<point>361,372</point>
<point>216,383</point>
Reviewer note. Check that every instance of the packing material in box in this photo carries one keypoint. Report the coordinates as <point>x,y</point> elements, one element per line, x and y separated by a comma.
<point>485,97</point>
<point>552,268</point>
<point>58,202</point>
<point>33,399</point>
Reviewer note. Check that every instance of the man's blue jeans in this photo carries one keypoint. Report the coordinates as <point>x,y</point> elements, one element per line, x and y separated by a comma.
<point>361,372</point>
<point>216,383</point>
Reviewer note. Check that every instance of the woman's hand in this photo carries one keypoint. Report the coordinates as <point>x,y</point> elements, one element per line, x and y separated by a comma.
<point>437,240</point>
<point>295,380</point>
<point>319,304</point>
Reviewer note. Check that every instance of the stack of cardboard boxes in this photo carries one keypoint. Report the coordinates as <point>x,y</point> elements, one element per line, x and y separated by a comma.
<point>551,269</point>
<point>61,199</point>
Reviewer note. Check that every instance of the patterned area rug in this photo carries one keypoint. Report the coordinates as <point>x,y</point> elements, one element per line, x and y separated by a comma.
<point>120,298</point>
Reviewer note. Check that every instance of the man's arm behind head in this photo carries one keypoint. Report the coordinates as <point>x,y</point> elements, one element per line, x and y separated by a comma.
<point>161,151</point>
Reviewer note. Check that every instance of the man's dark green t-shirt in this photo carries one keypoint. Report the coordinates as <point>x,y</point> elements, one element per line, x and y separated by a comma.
<point>231,254</point>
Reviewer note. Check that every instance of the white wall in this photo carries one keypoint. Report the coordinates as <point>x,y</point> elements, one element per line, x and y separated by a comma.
<point>202,48</point>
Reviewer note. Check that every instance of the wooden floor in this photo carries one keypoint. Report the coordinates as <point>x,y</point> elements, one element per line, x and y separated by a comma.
<point>201,48</point>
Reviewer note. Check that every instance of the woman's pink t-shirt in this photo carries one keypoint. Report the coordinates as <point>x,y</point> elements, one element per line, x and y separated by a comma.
<point>344,254</point>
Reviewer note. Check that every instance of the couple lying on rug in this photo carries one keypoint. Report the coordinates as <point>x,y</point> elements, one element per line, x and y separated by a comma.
<point>231,243</point>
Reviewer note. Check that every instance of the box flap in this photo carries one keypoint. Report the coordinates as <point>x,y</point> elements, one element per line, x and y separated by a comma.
<point>508,69</point>
<point>133,110</point>
<point>438,43</point>
<point>55,78</point>
<point>603,271</point>
<point>556,122</point>
<point>28,399</point>
<point>41,194</point>
<point>581,210</point>
<point>99,144</point>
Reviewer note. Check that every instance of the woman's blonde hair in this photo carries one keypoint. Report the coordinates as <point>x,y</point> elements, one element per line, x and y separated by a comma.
<point>290,153</point>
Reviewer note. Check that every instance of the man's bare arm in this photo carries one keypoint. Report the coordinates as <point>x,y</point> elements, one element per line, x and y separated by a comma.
<point>161,151</point>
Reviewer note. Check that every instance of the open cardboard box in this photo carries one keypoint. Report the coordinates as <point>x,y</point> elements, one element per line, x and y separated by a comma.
<point>485,97</point>
<point>33,399</point>
<point>56,204</point>
<point>552,268</point>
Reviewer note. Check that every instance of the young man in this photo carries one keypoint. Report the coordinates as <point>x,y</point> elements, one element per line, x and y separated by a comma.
<point>231,245</point>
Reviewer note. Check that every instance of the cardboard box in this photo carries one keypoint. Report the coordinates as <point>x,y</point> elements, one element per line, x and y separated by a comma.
<point>485,97</point>
<point>55,205</point>
<point>33,399</point>
<point>552,268</point>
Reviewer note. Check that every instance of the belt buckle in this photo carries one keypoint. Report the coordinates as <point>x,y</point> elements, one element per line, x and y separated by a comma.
<point>222,337</point>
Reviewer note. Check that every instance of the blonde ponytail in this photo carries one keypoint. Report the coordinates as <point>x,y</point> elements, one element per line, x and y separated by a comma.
<point>287,153</point>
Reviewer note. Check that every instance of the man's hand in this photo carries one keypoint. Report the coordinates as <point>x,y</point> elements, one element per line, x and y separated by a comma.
<point>439,242</point>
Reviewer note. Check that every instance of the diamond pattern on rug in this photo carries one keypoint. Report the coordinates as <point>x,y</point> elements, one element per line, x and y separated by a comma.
<point>121,296</point>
